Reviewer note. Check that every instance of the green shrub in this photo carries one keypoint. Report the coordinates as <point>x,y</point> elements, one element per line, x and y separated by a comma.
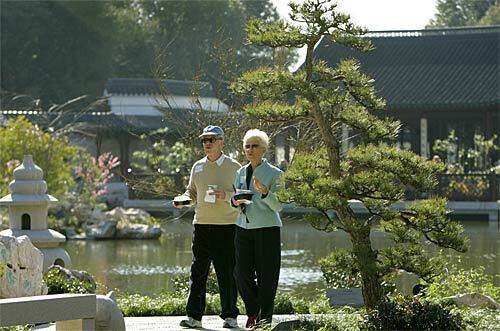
<point>478,319</point>
<point>319,305</point>
<point>283,304</point>
<point>72,175</point>
<point>411,313</point>
<point>322,324</point>
<point>163,305</point>
<point>166,304</point>
<point>395,315</point>
<point>300,306</point>
<point>18,138</point>
<point>58,284</point>
<point>163,160</point>
<point>4,218</point>
<point>181,283</point>
<point>341,320</point>
<point>458,281</point>
<point>174,303</point>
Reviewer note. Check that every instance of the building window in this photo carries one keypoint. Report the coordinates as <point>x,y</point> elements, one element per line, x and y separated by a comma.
<point>25,222</point>
<point>405,138</point>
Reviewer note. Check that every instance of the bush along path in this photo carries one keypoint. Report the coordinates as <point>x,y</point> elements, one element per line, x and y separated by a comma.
<point>427,311</point>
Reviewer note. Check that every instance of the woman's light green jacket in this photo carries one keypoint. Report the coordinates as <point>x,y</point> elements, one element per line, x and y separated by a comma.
<point>262,212</point>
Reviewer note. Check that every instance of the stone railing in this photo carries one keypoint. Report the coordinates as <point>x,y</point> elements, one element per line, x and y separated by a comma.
<point>69,311</point>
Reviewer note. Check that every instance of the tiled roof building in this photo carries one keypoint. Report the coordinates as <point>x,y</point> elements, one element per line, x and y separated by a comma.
<point>434,81</point>
<point>148,86</point>
<point>133,108</point>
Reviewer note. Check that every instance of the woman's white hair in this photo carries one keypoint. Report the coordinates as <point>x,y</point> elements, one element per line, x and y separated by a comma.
<point>256,134</point>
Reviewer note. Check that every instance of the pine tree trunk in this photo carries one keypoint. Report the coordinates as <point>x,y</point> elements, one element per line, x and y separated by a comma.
<point>360,234</point>
<point>366,257</point>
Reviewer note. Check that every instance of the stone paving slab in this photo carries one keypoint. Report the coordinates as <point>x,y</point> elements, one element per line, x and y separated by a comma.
<point>210,322</point>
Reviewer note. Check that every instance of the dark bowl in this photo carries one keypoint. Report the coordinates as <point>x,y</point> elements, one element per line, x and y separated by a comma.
<point>243,196</point>
<point>181,201</point>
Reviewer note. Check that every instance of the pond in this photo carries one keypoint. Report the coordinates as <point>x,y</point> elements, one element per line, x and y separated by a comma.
<point>147,266</point>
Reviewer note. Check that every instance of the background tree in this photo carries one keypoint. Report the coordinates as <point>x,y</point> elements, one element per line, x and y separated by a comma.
<point>166,163</point>
<point>323,99</point>
<point>73,176</point>
<point>70,48</point>
<point>170,152</point>
<point>492,15</point>
<point>133,53</point>
<point>18,138</point>
<point>456,13</point>
<point>89,177</point>
<point>55,50</point>
<point>199,38</point>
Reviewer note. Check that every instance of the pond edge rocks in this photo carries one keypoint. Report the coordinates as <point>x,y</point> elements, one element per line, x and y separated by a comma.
<point>119,223</point>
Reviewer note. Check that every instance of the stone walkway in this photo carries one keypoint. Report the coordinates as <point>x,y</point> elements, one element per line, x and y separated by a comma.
<point>210,323</point>
<point>172,323</point>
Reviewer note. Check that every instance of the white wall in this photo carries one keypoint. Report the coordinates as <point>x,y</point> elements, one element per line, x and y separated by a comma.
<point>146,104</point>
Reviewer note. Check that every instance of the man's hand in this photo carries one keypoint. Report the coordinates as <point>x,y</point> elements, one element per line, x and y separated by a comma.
<point>219,194</point>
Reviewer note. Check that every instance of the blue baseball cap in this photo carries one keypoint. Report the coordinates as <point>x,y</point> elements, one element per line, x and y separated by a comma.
<point>212,130</point>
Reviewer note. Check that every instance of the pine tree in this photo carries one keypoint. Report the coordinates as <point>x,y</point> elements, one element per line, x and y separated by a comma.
<point>323,99</point>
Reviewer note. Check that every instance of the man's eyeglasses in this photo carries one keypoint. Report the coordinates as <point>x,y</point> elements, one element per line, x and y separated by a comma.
<point>209,140</point>
<point>251,146</point>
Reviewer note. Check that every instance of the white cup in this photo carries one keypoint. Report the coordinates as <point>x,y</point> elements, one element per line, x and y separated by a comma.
<point>210,198</point>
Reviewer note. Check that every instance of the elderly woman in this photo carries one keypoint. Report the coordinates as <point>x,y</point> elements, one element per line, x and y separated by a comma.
<point>257,238</point>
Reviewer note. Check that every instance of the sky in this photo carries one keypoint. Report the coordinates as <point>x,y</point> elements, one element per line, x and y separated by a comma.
<point>380,15</point>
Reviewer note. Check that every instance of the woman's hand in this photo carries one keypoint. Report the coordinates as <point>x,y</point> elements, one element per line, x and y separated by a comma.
<point>237,202</point>
<point>259,187</point>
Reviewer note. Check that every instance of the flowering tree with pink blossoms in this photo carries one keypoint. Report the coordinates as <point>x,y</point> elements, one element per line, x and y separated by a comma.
<point>90,177</point>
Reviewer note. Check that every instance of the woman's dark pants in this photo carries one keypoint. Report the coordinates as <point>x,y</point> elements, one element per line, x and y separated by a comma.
<point>258,260</point>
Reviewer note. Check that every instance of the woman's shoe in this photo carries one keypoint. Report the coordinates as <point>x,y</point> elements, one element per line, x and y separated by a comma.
<point>251,321</point>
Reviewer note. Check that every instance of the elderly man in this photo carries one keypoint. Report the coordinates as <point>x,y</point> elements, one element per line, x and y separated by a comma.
<point>210,189</point>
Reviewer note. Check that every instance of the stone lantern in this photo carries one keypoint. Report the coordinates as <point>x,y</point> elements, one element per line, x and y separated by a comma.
<point>28,207</point>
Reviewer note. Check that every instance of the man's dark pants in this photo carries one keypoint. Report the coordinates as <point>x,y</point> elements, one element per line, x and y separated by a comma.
<point>258,260</point>
<point>212,244</point>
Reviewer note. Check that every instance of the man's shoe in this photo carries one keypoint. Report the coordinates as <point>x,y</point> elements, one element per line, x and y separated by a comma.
<point>230,323</point>
<point>251,321</point>
<point>190,323</point>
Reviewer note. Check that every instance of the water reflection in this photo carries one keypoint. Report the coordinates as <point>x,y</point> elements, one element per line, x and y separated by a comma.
<point>128,270</point>
<point>147,266</point>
